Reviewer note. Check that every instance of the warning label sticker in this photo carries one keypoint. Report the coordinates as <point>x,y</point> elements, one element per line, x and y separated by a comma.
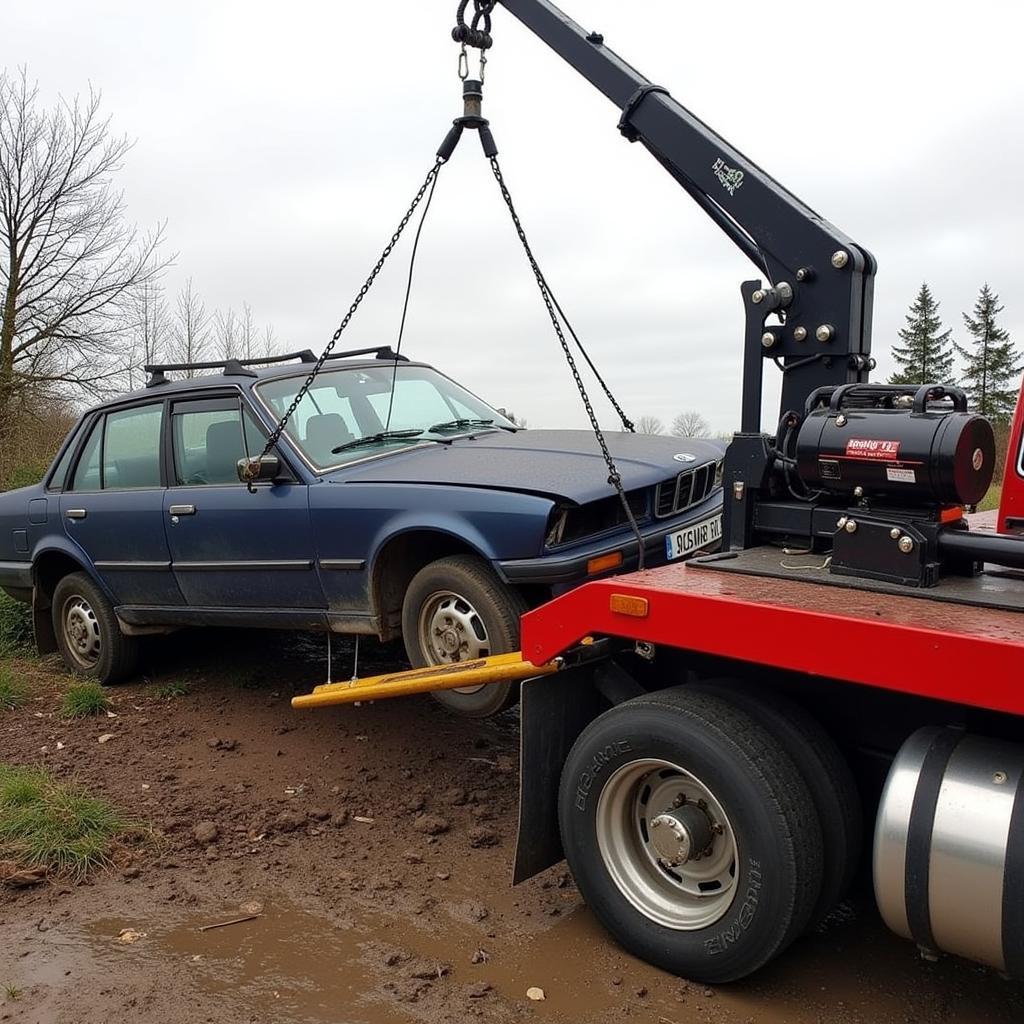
<point>900,475</point>
<point>869,448</point>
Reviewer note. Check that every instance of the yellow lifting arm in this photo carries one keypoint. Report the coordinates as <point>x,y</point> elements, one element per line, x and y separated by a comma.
<point>498,668</point>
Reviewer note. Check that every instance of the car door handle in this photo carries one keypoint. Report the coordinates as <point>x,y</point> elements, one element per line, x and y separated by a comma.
<point>76,513</point>
<point>182,510</point>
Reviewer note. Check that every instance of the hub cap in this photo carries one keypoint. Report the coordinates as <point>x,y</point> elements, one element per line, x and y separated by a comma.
<point>81,631</point>
<point>667,844</point>
<point>451,631</point>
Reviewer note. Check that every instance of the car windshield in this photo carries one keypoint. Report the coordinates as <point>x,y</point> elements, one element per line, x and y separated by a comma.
<point>348,405</point>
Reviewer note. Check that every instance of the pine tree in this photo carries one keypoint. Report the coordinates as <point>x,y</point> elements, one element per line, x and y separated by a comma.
<point>926,356</point>
<point>992,363</point>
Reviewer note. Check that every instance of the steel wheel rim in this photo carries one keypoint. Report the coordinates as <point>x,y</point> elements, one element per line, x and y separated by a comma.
<point>451,631</point>
<point>687,896</point>
<point>81,631</point>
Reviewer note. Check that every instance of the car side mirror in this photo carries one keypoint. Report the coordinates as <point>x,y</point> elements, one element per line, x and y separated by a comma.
<point>261,469</point>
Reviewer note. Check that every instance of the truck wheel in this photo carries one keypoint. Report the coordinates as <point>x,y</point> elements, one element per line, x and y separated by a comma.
<point>456,609</point>
<point>691,834</point>
<point>828,779</point>
<point>88,636</point>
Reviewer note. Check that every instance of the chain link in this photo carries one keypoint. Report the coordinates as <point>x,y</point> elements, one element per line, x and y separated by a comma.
<point>275,435</point>
<point>614,478</point>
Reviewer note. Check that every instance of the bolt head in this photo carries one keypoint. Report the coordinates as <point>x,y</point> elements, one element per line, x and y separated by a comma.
<point>840,258</point>
<point>858,491</point>
<point>801,274</point>
<point>768,339</point>
<point>999,778</point>
<point>757,296</point>
<point>824,333</point>
<point>851,526</point>
<point>840,420</point>
<point>656,823</point>
<point>895,533</point>
<point>841,522</point>
<point>906,544</point>
<point>799,333</point>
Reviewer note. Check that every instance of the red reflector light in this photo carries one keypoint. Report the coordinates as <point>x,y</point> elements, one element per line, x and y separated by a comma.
<point>627,604</point>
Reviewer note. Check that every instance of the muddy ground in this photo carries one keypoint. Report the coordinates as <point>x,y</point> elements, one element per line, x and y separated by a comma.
<point>375,844</point>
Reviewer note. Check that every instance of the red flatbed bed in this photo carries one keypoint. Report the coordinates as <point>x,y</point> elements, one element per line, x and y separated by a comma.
<point>946,649</point>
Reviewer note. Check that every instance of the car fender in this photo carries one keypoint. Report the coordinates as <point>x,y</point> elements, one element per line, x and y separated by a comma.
<point>64,545</point>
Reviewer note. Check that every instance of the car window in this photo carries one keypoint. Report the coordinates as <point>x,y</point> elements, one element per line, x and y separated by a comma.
<point>60,473</point>
<point>87,473</point>
<point>346,404</point>
<point>131,448</point>
<point>208,443</point>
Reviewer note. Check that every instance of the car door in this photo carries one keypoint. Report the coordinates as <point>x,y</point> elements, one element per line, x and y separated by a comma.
<point>113,507</point>
<point>232,548</point>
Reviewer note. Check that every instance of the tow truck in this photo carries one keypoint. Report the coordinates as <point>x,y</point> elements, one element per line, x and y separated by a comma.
<point>705,742</point>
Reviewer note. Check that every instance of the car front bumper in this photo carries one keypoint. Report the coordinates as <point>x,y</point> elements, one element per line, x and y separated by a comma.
<point>571,566</point>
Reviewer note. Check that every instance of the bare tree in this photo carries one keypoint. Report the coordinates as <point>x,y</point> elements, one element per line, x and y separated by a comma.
<point>247,332</point>
<point>690,424</point>
<point>190,333</point>
<point>226,328</point>
<point>649,425</point>
<point>69,261</point>
<point>150,329</point>
<point>268,343</point>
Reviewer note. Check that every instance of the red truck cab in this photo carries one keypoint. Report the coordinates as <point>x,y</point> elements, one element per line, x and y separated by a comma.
<point>1011,503</point>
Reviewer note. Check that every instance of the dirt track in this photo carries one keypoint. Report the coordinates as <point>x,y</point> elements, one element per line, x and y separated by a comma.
<point>377,842</point>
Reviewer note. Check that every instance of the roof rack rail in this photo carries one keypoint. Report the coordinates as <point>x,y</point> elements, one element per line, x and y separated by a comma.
<point>239,367</point>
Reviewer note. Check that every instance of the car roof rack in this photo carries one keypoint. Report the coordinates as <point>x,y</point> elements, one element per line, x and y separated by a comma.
<point>241,367</point>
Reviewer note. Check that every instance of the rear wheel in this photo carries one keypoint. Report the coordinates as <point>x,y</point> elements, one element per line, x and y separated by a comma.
<point>457,610</point>
<point>88,636</point>
<point>691,834</point>
<point>828,777</point>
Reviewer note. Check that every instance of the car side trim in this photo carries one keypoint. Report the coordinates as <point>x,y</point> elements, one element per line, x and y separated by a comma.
<point>249,618</point>
<point>243,566</point>
<point>343,564</point>
<point>16,574</point>
<point>132,566</point>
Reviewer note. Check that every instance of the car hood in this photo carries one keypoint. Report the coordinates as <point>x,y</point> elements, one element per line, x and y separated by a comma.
<point>558,463</point>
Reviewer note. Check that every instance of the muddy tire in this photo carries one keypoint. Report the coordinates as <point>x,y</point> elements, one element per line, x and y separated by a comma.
<point>828,777</point>
<point>88,636</point>
<point>691,834</point>
<point>456,609</point>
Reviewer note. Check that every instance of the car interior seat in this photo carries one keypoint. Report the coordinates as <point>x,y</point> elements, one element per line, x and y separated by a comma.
<point>223,450</point>
<point>323,433</point>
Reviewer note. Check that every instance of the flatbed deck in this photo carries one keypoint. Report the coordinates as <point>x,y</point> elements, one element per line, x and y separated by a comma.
<point>955,650</point>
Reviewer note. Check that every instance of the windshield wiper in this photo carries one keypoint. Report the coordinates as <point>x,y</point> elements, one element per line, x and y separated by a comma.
<point>384,435</point>
<point>461,424</point>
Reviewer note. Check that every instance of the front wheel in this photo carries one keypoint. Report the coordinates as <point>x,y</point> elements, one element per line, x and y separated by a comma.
<point>691,834</point>
<point>457,610</point>
<point>88,636</point>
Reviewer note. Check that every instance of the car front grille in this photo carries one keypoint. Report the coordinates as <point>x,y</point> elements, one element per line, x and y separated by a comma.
<point>689,488</point>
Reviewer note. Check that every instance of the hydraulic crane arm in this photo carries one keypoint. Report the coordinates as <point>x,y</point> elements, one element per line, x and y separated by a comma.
<point>821,281</point>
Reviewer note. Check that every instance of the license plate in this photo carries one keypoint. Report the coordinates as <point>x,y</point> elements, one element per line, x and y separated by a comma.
<point>693,538</point>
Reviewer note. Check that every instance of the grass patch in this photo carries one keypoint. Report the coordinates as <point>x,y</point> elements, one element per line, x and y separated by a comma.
<point>44,823</point>
<point>84,699</point>
<point>12,992</point>
<point>13,690</point>
<point>15,626</point>
<point>991,500</point>
<point>170,691</point>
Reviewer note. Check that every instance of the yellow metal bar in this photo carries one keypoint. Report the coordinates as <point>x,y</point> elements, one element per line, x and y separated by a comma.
<point>496,669</point>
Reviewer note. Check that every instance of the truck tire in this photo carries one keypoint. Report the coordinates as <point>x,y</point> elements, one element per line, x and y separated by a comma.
<point>691,834</point>
<point>828,777</point>
<point>88,636</point>
<point>456,609</point>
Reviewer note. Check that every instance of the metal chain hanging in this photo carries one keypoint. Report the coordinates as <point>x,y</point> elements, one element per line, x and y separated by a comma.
<point>275,435</point>
<point>614,477</point>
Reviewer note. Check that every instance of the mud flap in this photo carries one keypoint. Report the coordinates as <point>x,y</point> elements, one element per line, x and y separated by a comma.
<point>553,712</point>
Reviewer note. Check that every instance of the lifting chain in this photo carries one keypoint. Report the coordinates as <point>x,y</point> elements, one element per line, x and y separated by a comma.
<point>614,477</point>
<point>428,182</point>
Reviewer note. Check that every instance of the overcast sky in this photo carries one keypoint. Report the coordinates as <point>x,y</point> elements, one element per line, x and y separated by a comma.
<point>282,142</point>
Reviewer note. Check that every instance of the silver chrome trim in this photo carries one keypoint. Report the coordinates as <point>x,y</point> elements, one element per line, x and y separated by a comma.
<point>181,510</point>
<point>75,513</point>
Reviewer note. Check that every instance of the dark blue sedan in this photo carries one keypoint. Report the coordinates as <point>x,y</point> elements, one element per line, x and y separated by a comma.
<point>400,504</point>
